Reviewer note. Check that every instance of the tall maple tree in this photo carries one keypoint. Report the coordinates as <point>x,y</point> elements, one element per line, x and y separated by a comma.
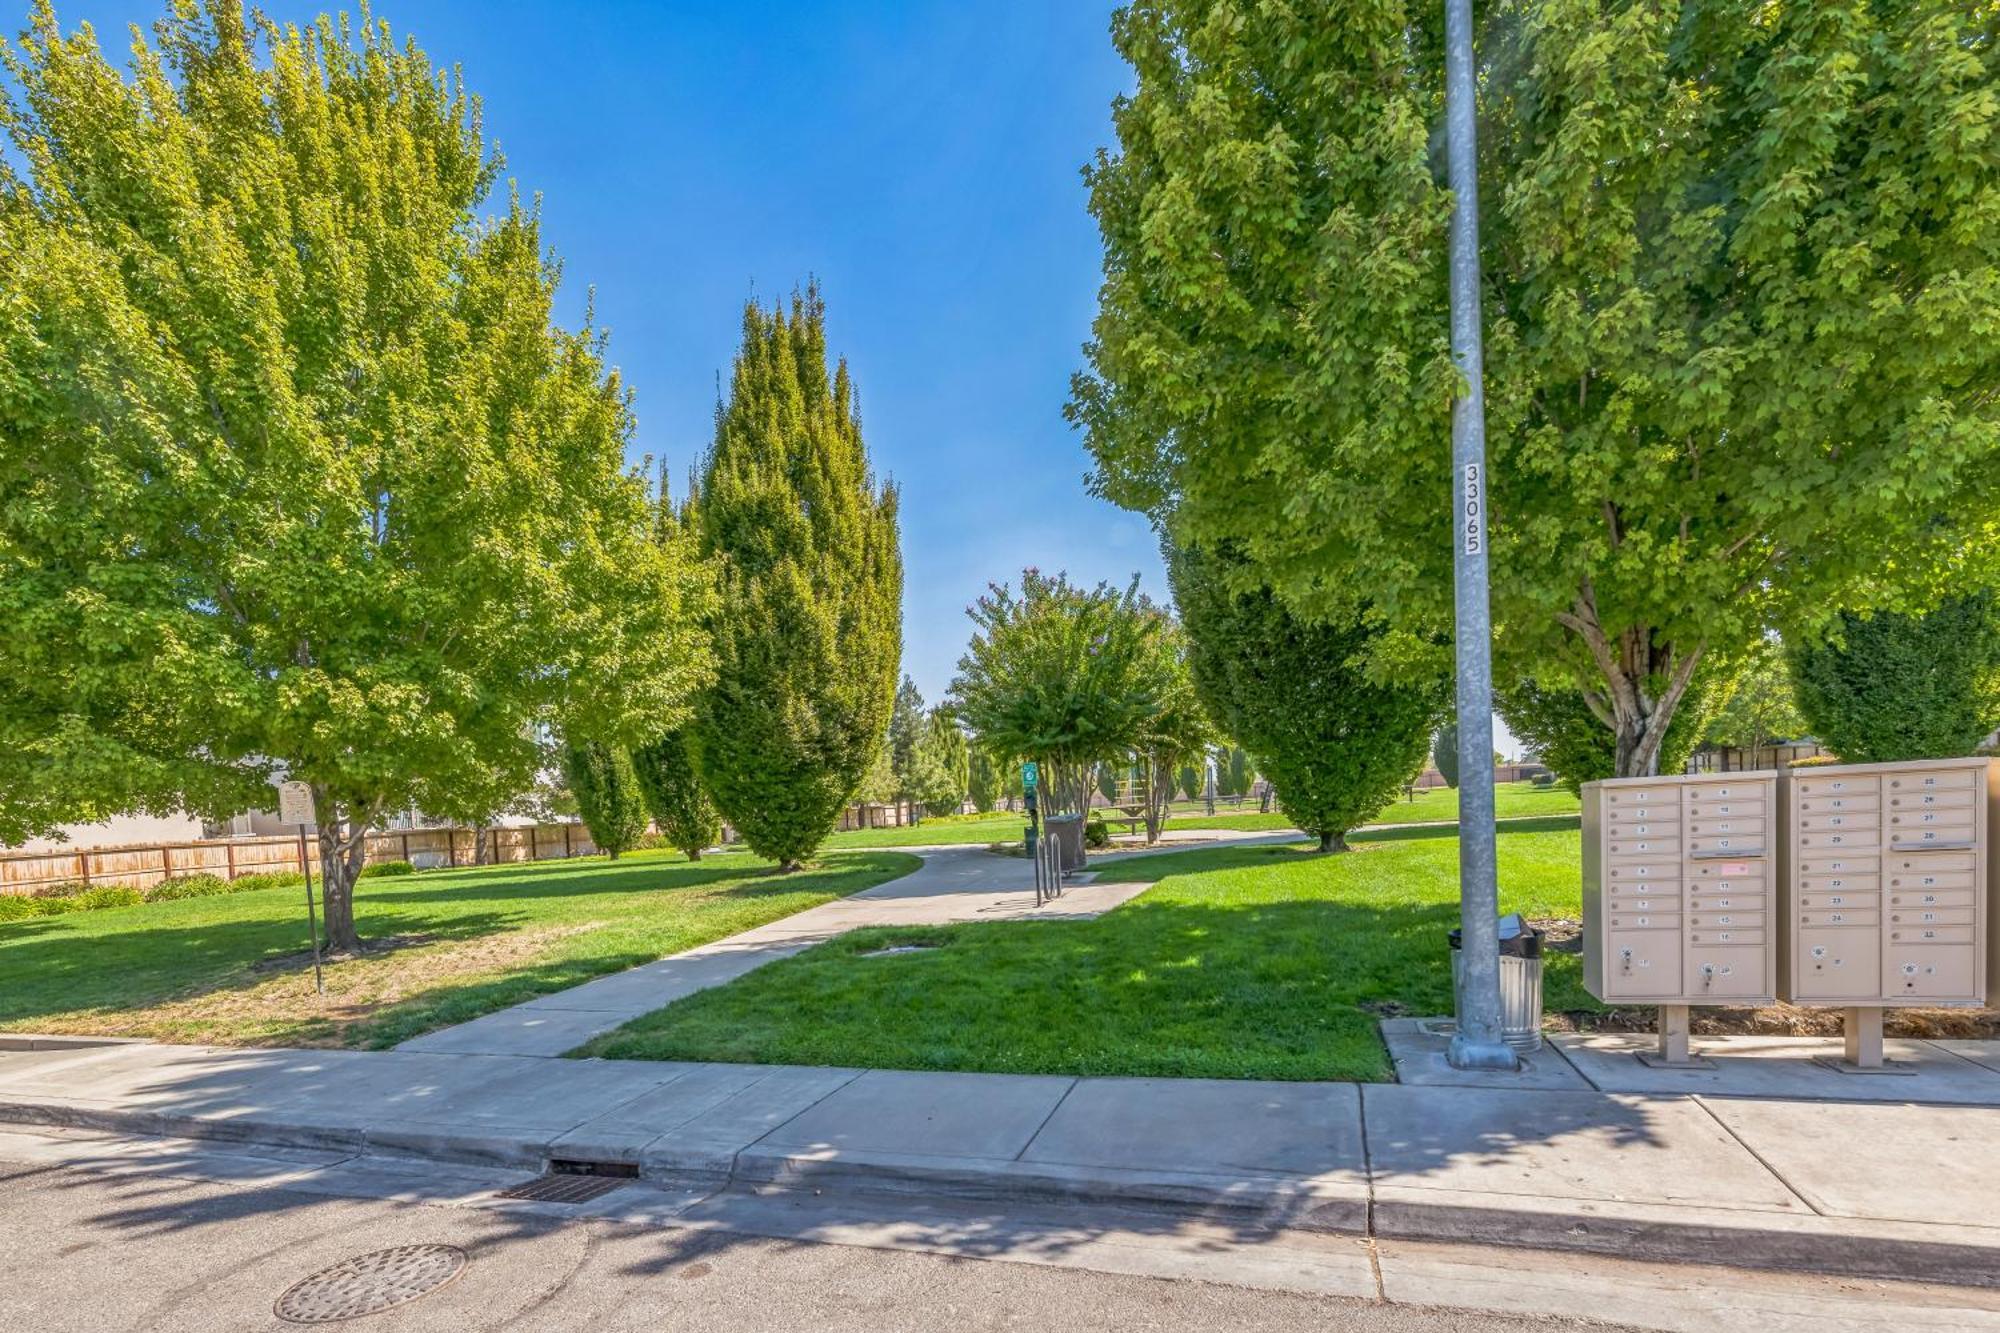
<point>1742,287</point>
<point>298,476</point>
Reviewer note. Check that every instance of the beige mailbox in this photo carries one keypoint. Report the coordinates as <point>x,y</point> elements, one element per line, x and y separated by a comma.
<point>1888,890</point>
<point>1680,894</point>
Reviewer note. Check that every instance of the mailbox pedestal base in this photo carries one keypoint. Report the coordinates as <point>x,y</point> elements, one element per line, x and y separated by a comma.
<point>1862,1030</point>
<point>1673,1051</point>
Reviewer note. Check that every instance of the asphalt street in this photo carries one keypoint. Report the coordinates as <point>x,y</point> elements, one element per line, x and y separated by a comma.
<point>113,1234</point>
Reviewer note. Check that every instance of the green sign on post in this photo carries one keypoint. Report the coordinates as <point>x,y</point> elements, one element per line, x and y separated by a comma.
<point>1028,776</point>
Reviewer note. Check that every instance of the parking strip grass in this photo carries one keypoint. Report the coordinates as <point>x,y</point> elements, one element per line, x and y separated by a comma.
<point>1244,962</point>
<point>446,946</point>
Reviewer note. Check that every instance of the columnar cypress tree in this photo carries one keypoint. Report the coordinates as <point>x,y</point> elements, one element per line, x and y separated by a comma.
<point>808,622</point>
<point>607,794</point>
<point>1336,744</point>
<point>1904,686</point>
<point>1444,753</point>
<point>944,765</point>
<point>673,792</point>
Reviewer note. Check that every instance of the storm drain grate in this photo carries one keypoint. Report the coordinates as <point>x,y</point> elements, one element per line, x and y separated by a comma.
<point>561,1186</point>
<point>368,1283</point>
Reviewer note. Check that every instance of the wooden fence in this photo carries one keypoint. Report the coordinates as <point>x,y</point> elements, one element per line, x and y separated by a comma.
<point>141,867</point>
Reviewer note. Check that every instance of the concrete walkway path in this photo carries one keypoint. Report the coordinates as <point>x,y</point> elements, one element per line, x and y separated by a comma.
<point>955,883</point>
<point>1891,1190</point>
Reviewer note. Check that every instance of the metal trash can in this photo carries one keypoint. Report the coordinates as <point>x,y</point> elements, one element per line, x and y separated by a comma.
<point>1066,831</point>
<point>1520,982</point>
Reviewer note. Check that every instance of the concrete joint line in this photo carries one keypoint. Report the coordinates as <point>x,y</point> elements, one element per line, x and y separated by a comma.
<point>1758,1157</point>
<point>1045,1119</point>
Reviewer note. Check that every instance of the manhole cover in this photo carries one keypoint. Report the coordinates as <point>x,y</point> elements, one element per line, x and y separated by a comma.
<point>370,1282</point>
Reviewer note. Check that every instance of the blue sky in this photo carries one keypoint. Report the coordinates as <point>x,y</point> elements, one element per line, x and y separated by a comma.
<point>920,158</point>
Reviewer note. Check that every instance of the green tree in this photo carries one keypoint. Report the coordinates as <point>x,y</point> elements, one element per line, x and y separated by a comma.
<point>1896,686</point>
<point>1558,725</point>
<point>1179,726</point>
<point>1225,786</point>
<point>671,785</point>
<point>297,473</point>
<point>944,765</point>
<point>982,780</point>
<point>1335,744</point>
<point>1060,674</point>
<point>607,792</point>
<point>1190,779</point>
<point>1444,753</point>
<point>1760,707</point>
<point>1241,778</point>
<point>1740,268</point>
<point>808,631</point>
<point>907,725</point>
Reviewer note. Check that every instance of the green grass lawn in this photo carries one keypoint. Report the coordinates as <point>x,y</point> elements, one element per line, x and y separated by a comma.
<point>455,944</point>
<point>1249,962</point>
<point>1511,800</point>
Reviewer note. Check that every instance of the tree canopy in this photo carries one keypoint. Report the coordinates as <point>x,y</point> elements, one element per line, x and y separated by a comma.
<point>1060,674</point>
<point>808,629</point>
<point>675,796</point>
<point>1336,745</point>
<point>298,476</point>
<point>1741,299</point>
<point>1895,686</point>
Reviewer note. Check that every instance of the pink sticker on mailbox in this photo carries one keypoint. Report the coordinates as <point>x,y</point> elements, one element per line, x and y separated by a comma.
<point>1733,868</point>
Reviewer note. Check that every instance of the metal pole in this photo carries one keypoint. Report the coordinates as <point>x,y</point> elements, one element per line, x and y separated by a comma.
<point>1476,1042</point>
<point>312,920</point>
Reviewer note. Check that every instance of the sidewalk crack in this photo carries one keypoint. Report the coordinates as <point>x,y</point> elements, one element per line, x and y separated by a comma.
<point>1045,1120</point>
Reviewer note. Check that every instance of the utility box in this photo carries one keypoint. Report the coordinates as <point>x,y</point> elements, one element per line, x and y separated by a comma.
<point>1680,889</point>
<point>1889,893</point>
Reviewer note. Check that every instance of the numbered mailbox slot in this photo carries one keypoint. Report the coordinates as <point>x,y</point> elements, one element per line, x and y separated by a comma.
<point>1722,969</point>
<point>1642,963</point>
<point>1844,839</point>
<point>1819,893</point>
<point>1936,798</point>
<point>1870,916</point>
<point>1838,964</point>
<point>1643,874</point>
<point>1751,898</point>
<point>1649,848</point>
<point>1628,904</point>
<point>1838,785</point>
<point>1646,798</point>
<point>1916,830</point>
<point>1930,972</point>
<point>1930,935</point>
<point>1933,916</point>
<point>1948,779</point>
<point>1928,898</point>
<point>1669,919</point>
<point>1846,803</point>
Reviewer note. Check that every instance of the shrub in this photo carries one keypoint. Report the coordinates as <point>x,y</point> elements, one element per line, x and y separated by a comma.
<point>19,907</point>
<point>189,886</point>
<point>1814,761</point>
<point>266,879</point>
<point>1903,687</point>
<point>1095,834</point>
<point>384,869</point>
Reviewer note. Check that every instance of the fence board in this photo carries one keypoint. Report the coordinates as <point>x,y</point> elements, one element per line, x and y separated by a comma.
<point>143,865</point>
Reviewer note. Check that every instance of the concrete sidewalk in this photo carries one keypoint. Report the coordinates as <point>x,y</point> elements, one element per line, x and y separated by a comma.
<point>954,884</point>
<point>1891,1190</point>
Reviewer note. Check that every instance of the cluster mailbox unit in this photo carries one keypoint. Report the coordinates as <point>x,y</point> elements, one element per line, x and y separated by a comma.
<point>1679,889</point>
<point>1857,886</point>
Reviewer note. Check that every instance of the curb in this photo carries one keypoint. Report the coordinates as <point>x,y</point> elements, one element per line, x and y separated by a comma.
<point>1853,1247</point>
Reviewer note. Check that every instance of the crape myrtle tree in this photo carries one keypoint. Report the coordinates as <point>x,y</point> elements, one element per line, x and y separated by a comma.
<point>1895,686</point>
<point>1060,674</point>
<point>674,795</point>
<point>298,477</point>
<point>1335,743</point>
<point>1179,726</point>
<point>1741,305</point>
<point>1559,726</point>
<point>608,794</point>
<point>808,627</point>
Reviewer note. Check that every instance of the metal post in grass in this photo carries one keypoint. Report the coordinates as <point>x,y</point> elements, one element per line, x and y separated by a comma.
<point>1476,1042</point>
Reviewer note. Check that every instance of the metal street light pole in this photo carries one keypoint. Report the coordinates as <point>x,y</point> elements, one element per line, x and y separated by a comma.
<point>1476,1043</point>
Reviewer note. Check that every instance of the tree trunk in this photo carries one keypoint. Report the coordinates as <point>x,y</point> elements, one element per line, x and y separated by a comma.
<point>1157,796</point>
<point>482,845</point>
<point>343,846</point>
<point>1333,840</point>
<point>694,853</point>
<point>1631,667</point>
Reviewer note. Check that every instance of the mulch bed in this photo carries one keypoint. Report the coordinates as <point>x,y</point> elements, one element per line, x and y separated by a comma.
<point>1770,1020</point>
